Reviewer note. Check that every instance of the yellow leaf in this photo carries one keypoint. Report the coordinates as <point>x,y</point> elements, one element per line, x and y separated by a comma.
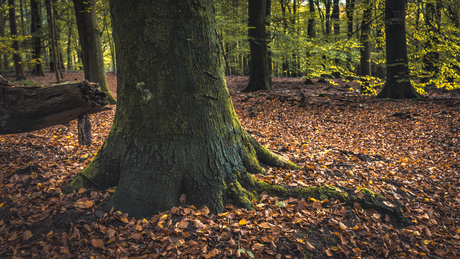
<point>50,233</point>
<point>242,222</point>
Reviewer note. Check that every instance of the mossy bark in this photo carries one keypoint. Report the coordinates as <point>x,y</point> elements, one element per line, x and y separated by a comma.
<point>175,130</point>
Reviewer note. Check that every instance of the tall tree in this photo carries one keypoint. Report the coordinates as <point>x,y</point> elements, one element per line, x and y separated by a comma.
<point>259,75</point>
<point>91,47</point>
<point>398,84</point>
<point>35,30</point>
<point>175,131</point>
<point>350,8</point>
<point>18,65</point>
<point>366,46</point>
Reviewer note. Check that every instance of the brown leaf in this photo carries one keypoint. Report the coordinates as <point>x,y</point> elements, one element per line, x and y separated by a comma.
<point>26,235</point>
<point>309,246</point>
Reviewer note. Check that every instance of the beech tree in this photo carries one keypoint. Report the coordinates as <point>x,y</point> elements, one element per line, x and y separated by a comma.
<point>398,84</point>
<point>176,139</point>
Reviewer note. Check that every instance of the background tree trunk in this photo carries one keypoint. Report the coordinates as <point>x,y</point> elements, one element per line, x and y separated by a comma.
<point>259,76</point>
<point>19,66</point>
<point>336,17</point>
<point>398,84</point>
<point>431,58</point>
<point>35,30</point>
<point>311,20</point>
<point>53,66</point>
<point>366,47</point>
<point>90,41</point>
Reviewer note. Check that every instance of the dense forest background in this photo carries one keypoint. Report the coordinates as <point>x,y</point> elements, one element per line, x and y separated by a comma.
<point>311,39</point>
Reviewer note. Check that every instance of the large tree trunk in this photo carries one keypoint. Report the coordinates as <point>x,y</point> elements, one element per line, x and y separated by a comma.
<point>259,76</point>
<point>175,130</point>
<point>398,84</point>
<point>37,41</point>
<point>366,47</point>
<point>19,66</point>
<point>26,109</point>
<point>175,133</point>
<point>91,47</point>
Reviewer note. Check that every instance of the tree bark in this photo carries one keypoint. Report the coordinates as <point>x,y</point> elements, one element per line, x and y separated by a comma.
<point>91,46</point>
<point>37,41</point>
<point>25,109</point>
<point>398,84</point>
<point>259,76</point>
<point>19,66</point>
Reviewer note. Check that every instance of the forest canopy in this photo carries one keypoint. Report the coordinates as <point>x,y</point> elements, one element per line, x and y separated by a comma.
<point>309,39</point>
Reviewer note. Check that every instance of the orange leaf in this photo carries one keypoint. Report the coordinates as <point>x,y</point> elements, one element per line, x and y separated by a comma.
<point>242,222</point>
<point>97,243</point>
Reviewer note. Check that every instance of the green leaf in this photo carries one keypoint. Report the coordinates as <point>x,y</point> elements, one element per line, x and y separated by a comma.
<point>281,204</point>
<point>250,254</point>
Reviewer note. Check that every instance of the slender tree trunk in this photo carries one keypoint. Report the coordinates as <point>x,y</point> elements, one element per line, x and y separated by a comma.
<point>69,47</point>
<point>91,46</point>
<point>53,56</point>
<point>285,65</point>
<point>311,20</point>
<point>19,66</point>
<point>350,8</point>
<point>4,57</point>
<point>259,76</point>
<point>57,39</point>
<point>35,30</point>
<point>398,84</point>
<point>431,58</point>
<point>366,47</point>
<point>327,4</point>
<point>336,17</point>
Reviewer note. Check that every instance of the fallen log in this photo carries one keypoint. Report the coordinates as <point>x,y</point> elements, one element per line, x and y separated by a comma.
<point>25,109</point>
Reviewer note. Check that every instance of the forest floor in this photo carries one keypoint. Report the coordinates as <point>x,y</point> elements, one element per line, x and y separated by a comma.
<point>405,150</point>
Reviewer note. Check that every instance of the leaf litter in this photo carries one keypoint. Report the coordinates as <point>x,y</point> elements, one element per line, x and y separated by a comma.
<point>341,138</point>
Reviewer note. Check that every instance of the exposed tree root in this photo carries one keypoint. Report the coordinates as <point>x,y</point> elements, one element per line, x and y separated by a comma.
<point>252,188</point>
